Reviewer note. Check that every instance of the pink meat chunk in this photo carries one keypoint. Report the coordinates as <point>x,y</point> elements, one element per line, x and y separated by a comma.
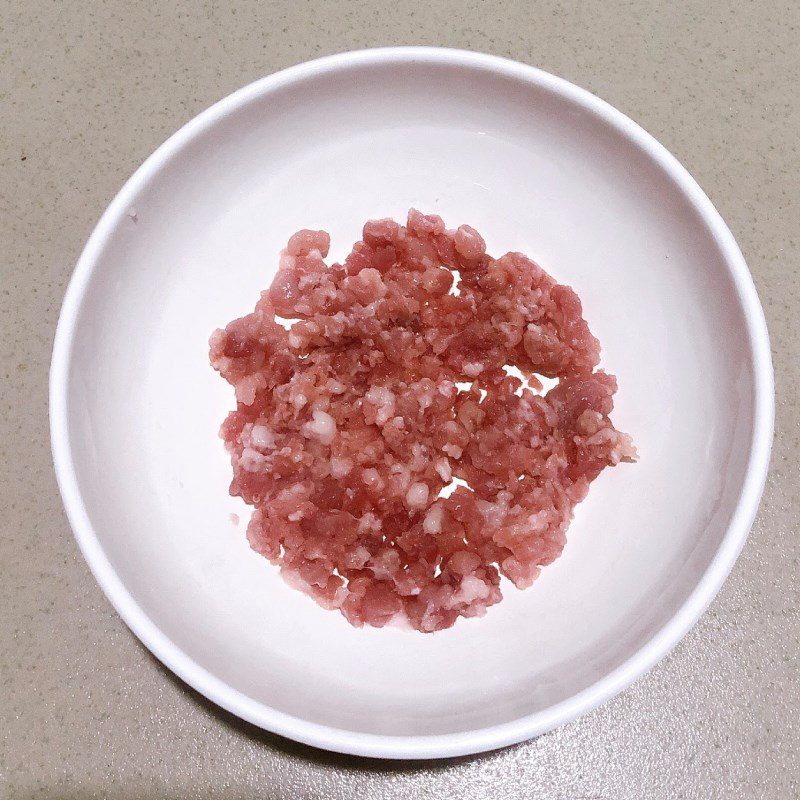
<point>391,383</point>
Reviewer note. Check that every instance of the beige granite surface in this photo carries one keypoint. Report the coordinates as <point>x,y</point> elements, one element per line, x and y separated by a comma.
<point>87,91</point>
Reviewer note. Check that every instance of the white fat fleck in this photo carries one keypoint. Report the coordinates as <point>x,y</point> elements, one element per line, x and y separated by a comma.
<point>251,460</point>
<point>453,450</point>
<point>419,458</point>
<point>262,437</point>
<point>335,387</point>
<point>358,557</point>
<point>299,400</point>
<point>322,426</point>
<point>417,495</point>
<point>601,437</point>
<point>384,400</point>
<point>341,466</point>
<point>471,589</point>
<point>369,522</point>
<point>425,391</point>
<point>473,368</point>
<point>372,478</point>
<point>538,522</point>
<point>385,565</point>
<point>286,261</point>
<point>589,422</point>
<point>445,388</point>
<point>494,513</point>
<point>246,390</point>
<point>442,467</point>
<point>433,520</point>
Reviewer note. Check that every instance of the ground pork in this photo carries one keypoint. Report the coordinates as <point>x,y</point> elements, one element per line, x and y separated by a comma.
<point>391,432</point>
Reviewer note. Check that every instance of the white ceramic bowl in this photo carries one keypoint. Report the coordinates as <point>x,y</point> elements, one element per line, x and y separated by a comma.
<point>537,165</point>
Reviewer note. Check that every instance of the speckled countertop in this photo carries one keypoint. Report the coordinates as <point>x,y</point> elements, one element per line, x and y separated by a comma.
<point>87,91</point>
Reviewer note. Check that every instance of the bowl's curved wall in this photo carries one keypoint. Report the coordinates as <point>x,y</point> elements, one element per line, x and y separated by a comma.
<point>535,165</point>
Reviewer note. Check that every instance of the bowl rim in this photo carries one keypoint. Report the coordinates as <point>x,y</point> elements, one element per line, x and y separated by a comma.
<point>465,742</point>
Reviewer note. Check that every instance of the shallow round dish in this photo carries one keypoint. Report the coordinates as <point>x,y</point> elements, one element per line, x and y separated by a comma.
<point>535,164</point>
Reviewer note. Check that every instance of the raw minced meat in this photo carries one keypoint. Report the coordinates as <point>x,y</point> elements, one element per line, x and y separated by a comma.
<point>396,466</point>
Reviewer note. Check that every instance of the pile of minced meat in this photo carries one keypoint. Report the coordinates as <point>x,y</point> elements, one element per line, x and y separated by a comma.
<point>396,465</point>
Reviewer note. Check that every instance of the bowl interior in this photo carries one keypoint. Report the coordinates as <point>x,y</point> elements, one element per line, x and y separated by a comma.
<point>534,171</point>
